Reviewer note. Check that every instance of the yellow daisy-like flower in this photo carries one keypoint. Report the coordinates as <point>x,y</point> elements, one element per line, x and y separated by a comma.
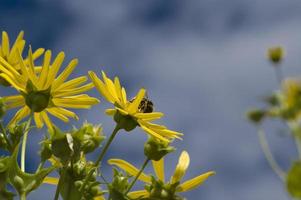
<point>44,92</point>
<point>161,187</point>
<point>10,53</point>
<point>114,93</point>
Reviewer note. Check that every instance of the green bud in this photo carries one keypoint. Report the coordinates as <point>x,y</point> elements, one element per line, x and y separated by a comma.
<point>18,183</point>
<point>62,147</point>
<point>3,142</point>
<point>275,54</point>
<point>2,108</point>
<point>78,184</point>
<point>256,115</point>
<point>293,180</point>
<point>46,151</point>
<point>155,149</point>
<point>89,137</point>
<point>125,122</point>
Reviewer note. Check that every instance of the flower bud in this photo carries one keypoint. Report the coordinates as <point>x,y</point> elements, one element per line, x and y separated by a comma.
<point>275,54</point>
<point>155,150</point>
<point>3,142</point>
<point>256,115</point>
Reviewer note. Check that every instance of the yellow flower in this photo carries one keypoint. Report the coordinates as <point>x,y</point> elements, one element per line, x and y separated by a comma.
<point>44,92</point>
<point>114,93</point>
<point>10,53</point>
<point>167,188</point>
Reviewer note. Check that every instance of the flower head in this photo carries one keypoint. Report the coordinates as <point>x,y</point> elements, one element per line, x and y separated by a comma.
<point>45,91</point>
<point>158,188</point>
<point>131,113</point>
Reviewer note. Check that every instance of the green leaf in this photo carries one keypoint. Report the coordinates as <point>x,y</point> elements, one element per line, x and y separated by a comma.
<point>25,182</point>
<point>293,181</point>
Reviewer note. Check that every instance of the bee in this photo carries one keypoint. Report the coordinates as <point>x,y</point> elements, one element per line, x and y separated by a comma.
<point>145,106</point>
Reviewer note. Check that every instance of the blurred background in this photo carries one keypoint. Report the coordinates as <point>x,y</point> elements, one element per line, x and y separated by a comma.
<point>203,64</point>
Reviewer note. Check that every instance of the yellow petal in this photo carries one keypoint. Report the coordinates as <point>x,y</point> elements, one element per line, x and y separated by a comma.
<point>51,180</point>
<point>45,69</point>
<point>5,44</point>
<point>46,120</point>
<point>72,83</point>
<point>102,89</point>
<point>66,73</point>
<point>159,169</point>
<point>181,168</point>
<point>138,194</point>
<point>57,114</point>
<point>70,92</point>
<point>55,68</point>
<point>195,182</point>
<point>151,116</point>
<point>38,120</point>
<point>122,164</point>
<point>110,112</point>
<point>152,133</point>
<point>22,113</point>
<point>133,107</point>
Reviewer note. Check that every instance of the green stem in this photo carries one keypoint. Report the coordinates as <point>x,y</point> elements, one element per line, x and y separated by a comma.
<point>269,156</point>
<point>137,176</point>
<point>278,74</point>
<point>24,141</point>
<point>293,126</point>
<point>23,196</point>
<point>58,187</point>
<point>100,157</point>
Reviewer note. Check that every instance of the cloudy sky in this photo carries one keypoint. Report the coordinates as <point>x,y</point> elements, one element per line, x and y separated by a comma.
<point>203,64</point>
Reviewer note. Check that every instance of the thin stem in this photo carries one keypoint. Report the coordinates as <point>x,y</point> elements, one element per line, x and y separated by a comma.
<point>23,196</point>
<point>101,155</point>
<point>297,137</point>
<point>58,187</point>
<point>278,73</point>
<point>269,156</point>
<point>41,165</point>
<point>137,176</point>
<point>24,141</point>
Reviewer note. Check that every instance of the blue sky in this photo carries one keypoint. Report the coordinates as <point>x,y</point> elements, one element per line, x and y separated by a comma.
<point>203,64</point>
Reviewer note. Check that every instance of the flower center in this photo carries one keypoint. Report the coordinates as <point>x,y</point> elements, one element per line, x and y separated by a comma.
<point>37,101</point>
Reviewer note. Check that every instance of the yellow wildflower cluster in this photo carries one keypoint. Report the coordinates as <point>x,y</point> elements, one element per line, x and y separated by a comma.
<point>43,89</point>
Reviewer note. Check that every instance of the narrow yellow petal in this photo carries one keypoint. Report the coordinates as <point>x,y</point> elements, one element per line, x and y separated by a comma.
<point>14,101</point>
<point>122,164</point>
<point>181,168</point>
<point>133,107</point>
<point>55,67</point>
<point>79,101</point>
<point>57,114</point>
<point>153,115</point>
<point>100,86</point>
<point>12,81</point>
<point>45,69</point>
<point>38,120</point>
<point>138,194</point>
<point>37,53</point>
<point>153,133</point>
<point>72,83</point>
<point>195,182</point>
<point>70,92</point>
<point>66,73</point>
<point>159,169</point>
<point>22,113</point>
<point>51,180</point>
<point>5,44</point>
<point>46,120</point>
<point>110,112</point>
